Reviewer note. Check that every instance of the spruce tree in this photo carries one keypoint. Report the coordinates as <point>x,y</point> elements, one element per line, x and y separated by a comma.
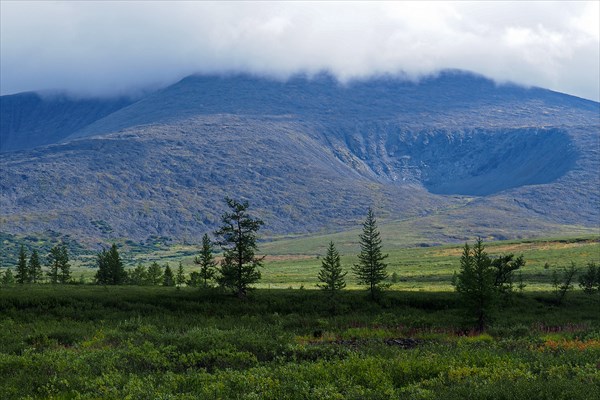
<point>138,276</point>
<point>65,267</point>
<point>194,280</point>
<point>180,277</point>
<point>111,270</point>
<point>168,278</point>
<point>103,272</point>
<point>8,277</point>
<point>371,270</point>
<point>155,274</point>
<point>58,264</point>
<point>475,283</point>
<point>239,268</point>
<point>35,268</point>
<point>117,268</point>
<point>53,264</point>
<point>22,275</point>
<point>331,274</point>
<point>206,261</point>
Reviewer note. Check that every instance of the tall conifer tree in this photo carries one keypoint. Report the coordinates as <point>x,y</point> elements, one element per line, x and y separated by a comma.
<point>239,268</point>
<point>58,264</point>
<point>180,277</point>
<point>168,277</point>
<point>475,283</point>
<point>22,275</point>
<point>35,267</point>
<point>111,270</point>
<point>8,278</point>
<point>371,270</point>
<point>53,264</point>
<point>139,275</point>
<point>206,261</point>
<point>155,274</point>
<point>65,267</point>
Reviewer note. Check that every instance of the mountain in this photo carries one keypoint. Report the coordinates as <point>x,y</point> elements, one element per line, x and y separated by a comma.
<point>309,154</point>
<point>28,120</point>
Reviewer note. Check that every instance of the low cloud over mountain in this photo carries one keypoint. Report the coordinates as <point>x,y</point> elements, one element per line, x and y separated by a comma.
<point>116,48</point>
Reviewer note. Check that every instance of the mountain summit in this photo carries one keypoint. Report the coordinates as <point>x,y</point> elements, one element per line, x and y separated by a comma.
<point>309,155</point>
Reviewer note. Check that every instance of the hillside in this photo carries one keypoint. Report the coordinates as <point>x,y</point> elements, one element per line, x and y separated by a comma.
<point>29,120</point>
<point>310,155</point>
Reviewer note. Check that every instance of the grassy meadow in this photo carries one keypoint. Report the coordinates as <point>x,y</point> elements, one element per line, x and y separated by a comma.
<point>420,262</point>
<point>295,263</point>
<point>90,342</point>
<point>431,268</point>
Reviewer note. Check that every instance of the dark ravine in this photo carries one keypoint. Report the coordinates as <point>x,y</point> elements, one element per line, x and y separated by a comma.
<point>309,154</point>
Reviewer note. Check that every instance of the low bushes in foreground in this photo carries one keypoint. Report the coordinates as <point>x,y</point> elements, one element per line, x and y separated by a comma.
<point>156,342</point>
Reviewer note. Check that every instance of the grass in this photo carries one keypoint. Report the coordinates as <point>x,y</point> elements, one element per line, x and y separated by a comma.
<point>88,342</point>
<point>422,268</point>
<point>431,268</point>
<point>154,342</point>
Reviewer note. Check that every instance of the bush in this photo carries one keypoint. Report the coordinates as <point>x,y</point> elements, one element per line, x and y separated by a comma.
<point>590,280</point>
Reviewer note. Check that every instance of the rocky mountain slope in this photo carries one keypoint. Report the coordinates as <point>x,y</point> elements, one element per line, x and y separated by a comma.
<point>28,120</point>
<point>309,154</point>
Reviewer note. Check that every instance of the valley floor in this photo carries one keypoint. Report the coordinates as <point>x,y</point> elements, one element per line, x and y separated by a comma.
<point>83,341</point>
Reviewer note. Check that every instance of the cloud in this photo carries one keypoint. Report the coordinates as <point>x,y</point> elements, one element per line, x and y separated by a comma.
<point>108,48</point>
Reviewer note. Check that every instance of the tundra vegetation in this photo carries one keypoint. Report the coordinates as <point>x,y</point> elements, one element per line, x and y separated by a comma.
<point>503,331</point>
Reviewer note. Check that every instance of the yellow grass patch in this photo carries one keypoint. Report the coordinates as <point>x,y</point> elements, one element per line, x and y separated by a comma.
<point>287,257</point>
<point>518,247</point>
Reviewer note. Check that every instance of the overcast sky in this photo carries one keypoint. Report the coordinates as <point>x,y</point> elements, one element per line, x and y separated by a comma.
<point>107,48</point>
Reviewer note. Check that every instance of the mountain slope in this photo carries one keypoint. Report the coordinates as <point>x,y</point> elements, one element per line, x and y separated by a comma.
<point>445,100</point>
<point>28,120</point>
<point>311,155</point>
<point>170,180</point>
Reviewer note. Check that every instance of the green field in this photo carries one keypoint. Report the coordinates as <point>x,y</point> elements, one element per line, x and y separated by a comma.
<point>154,342</point>
<point>87,341</point>
<point>417,268</point>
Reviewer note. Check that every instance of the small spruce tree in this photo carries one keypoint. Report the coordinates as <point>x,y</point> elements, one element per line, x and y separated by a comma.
<point>8,278</point>
<point>371,270</point>
<point>35,268</point>
<point>54,264</point>
<point>139,275</point>
<point>195,280</point>
<point>168,278</point>
<point>475,283</point>
<point>103,272</point>
<point>331,275</point>
<point>155,274</point>
<point>111,270</point>
<point>22,275</point>
<point>58,264</point>
<point>206,261</point>
<point>180,277</point>
<point>65,267</point>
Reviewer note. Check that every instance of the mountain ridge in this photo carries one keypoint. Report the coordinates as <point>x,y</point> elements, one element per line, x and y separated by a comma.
<point>311,155</point>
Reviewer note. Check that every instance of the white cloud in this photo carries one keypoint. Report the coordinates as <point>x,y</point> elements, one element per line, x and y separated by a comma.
<point>104,48</point>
